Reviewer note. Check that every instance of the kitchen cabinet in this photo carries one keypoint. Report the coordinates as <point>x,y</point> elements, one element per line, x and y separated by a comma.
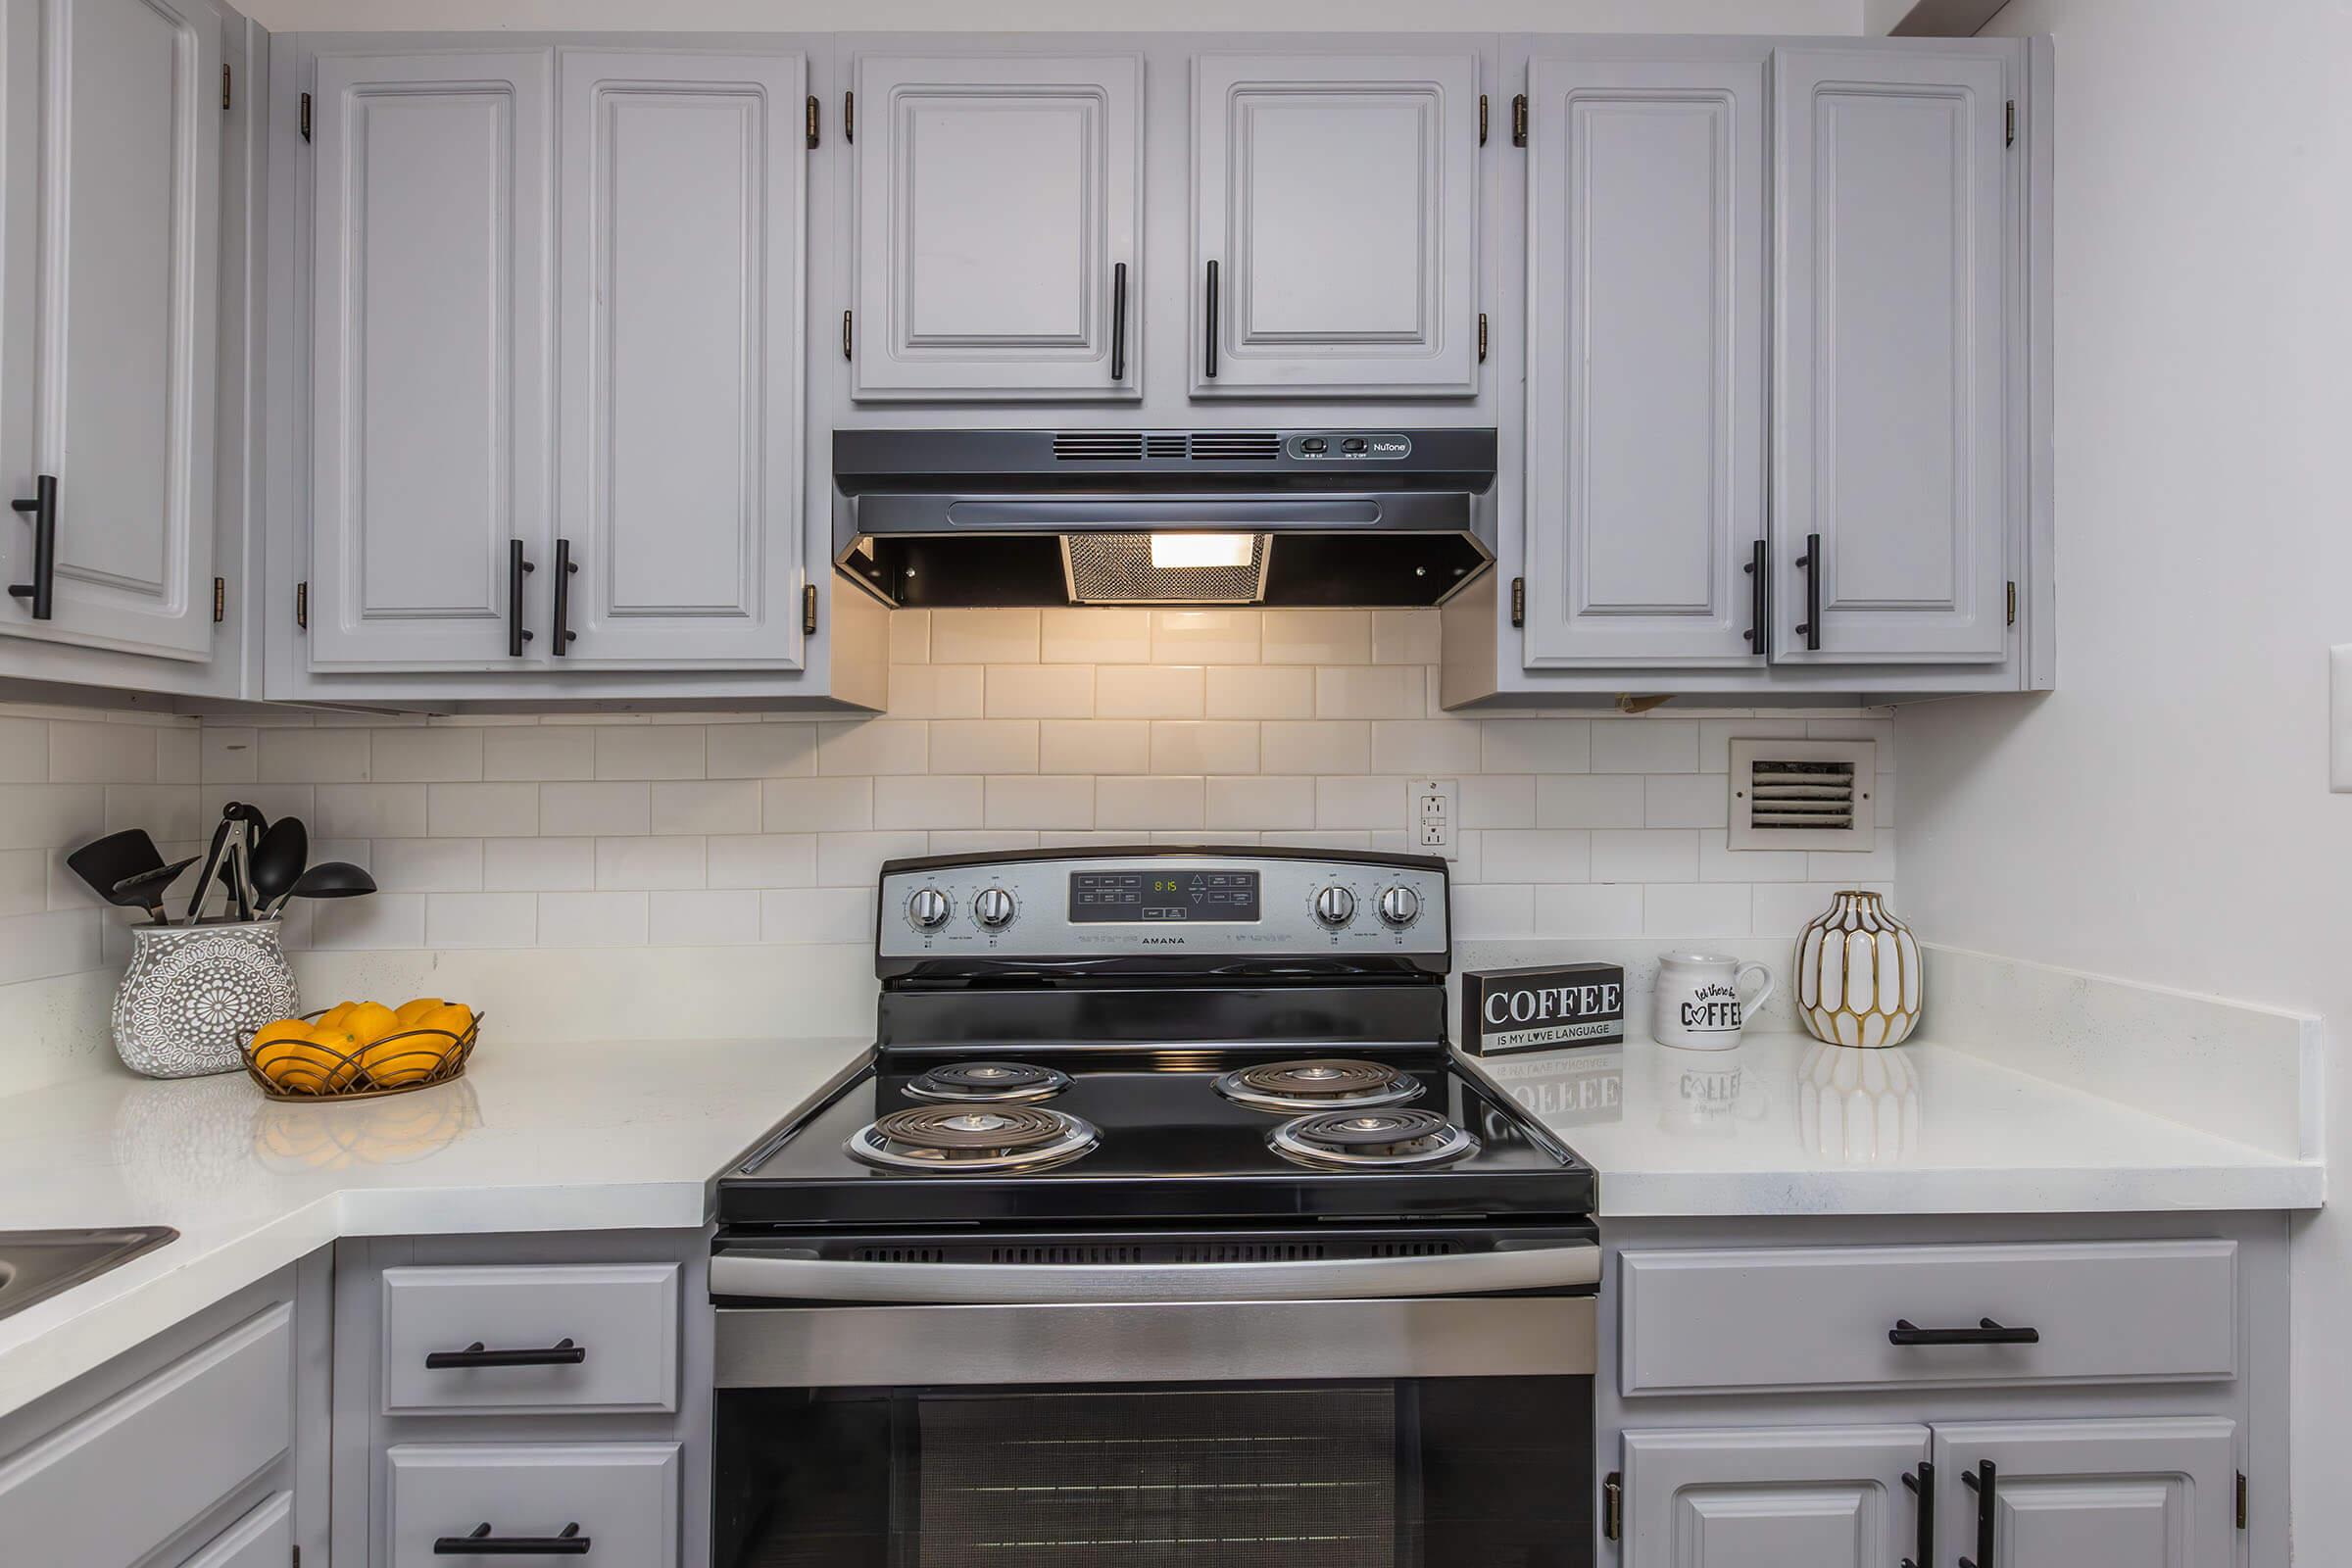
<point>430,431</point>
<point>110,160</point>
<point>1897,272</point>
<point>682,200</point>
<point>2153,1492</point>
<point>1646,190</point>
<point>1772,1497</point>
<point>998,227</point>
<point>1335,224</point>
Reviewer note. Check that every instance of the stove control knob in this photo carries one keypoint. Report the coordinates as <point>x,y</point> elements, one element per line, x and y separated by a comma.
<point>1400,907</point>
<point>1335,907</point>
<point>994,908</point>
<point>928,910</point>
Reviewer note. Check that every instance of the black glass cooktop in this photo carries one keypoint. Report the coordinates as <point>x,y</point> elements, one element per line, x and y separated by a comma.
<point>1170,1148</point>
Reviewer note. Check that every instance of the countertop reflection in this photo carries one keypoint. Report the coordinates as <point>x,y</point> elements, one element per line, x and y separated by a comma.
<point>1782,1124</point>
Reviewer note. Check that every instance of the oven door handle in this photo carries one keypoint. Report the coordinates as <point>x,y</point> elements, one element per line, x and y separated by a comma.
<point>811,1279</point>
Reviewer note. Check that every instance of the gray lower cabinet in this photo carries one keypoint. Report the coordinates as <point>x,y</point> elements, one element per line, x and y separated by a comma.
<point>2150,1493</point>
<point>999,227</point>
<point>615,1503</point>
<point>204,1448</point>
<point>1334,224</point>
<point>108,315</point>
<point>1772,1497</point>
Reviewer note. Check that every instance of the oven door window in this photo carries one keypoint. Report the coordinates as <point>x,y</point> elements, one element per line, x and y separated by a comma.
<point>1493,1471</point>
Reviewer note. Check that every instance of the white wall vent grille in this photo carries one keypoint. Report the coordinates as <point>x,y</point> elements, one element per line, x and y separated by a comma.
<point>1804,795</point>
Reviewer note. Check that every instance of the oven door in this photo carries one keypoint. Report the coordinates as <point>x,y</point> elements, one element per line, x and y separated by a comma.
<point>1355,1415</point>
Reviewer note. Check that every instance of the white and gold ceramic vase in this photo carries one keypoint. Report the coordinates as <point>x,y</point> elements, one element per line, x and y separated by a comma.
<point>1858,979</point>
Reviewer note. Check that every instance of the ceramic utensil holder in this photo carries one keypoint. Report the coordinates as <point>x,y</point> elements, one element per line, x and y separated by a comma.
<point>194,995</point>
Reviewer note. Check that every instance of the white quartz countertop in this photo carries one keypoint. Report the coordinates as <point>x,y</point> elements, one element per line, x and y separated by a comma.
<point>1784,1125</point>
<point>549,1136</point>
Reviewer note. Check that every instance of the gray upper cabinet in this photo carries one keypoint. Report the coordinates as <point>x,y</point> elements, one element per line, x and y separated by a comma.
<point>1774,1497</point>
<point>2151,1492</point>
<point>109,247</point>
<point>1895,256</point>
<point>1335,224</point>
<point>998,227</point>
<point>430,435</point>
<point>681,200</point>
<point>1645,362</point>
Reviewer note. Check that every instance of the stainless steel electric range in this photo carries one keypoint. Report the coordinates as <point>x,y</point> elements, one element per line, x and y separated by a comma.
<point>1160,1230</point>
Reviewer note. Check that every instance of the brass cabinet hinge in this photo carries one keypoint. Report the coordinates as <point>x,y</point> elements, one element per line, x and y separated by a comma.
<point>845,338</point>
<point>1481,337</point>
<point>849,116</point>
<point>302,606</point>
<point>1519,121</point>
<point>812,121</point>
<point>220,600</point>
<point>1612,1507</point>
<point>809,609</point>
<point>306,116</point>
<point>2009,125</point>
<point>2012,604</point>
<point>224,93</point>
<point>1518,600</point>
<point>1481,120</point>
<point>2241,1500</point>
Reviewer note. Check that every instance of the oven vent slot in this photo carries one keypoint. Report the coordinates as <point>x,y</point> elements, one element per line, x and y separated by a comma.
<point>1098,446</point>
<point>1415,1248</point>
<point>1164,446</point>
<point>902,1254</point>
<point>1224,446</point>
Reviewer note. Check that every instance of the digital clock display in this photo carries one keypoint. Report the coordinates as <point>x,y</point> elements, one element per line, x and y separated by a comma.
<point>1157,897</point>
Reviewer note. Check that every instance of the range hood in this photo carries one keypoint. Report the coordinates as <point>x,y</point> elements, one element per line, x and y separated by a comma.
<point>1323,518</point>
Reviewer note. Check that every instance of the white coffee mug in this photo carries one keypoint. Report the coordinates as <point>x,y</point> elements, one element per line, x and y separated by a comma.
<point>1700,1004</point>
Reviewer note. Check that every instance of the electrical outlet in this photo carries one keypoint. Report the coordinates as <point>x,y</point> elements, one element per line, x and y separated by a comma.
<point>1431,814</point>
<point>2339,718</point>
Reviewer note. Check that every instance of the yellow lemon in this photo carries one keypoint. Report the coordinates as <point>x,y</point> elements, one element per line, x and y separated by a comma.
<point>369,1022</point>
<point>403,1058</point>
<point>452,1018</point>
<point>336,1052</point>
<point>334,1015</point>
<point>414,1009</point>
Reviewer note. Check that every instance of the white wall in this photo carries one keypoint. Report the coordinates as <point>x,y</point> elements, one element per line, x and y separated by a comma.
<point>2164,814</point>
<point>1842,17</point>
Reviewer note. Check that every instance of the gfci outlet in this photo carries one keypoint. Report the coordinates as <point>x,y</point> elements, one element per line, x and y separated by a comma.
<point>2339,718</point>
<point>1431,814</point>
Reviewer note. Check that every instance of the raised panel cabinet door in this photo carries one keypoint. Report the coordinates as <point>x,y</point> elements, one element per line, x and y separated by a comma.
<point>683,211</point>
<point>622,1497</point>
<point>999,227</point>
<point>2158,1493</point>
<point>1772,1497</point>
<point>1893,263</point>
<point>261,1539</point>
<point>1334,226</point>
<point>430,435</point>
<point>1645,362</point>
<point>111,184</point>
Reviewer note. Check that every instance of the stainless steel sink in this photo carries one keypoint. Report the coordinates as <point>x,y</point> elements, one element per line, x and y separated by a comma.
<point>35,1265</point>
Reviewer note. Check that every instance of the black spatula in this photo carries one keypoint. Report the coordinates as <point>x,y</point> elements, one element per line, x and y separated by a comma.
<point>107,863</point>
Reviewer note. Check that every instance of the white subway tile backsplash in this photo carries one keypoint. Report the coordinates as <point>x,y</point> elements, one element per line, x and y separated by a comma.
<point>1855,868</point>
<point>1718,861</point>
<point>1090,637</point>
<point>1489,911</point>
<point>1315,746</point>
<point>816,805</point>
<point>703,919</point>
<point>1149,691</point>
<point>1203,746</point>
<point>426,756</point>
<point>482,811</point>
<point>1588,909</point>
<point>1318,636</point>
<point>763,860</point>
<point>1260,691</point>
<point>1260,803</point>
<point>57,942</point>
<point>226,753</point>
<point>650,751</point>
<point>1499,800</point>
<point>1041,691</point>
<point>313,756</point>
<point>178,756</point>
<point>367,811</point>
<point>428,865</point>
<point>1359,803</point>
<point>23,881</point>
<point>1206,636</point>
<point>1663,855</point>
<point>1644,746</point>
<point>384,920</point>
<point>855,860</point>
<point>1405,637</point>
<point>1589,801</point>
<point>1094,746</point>
<point>1696,909</point>
<point>934,800</point>
<point>593,919</point>
<point>1687,799</point>
<point>761,750</point>
<point>24,751</point>
<point>818,914</point>
<point>985,746</point>
<point>638,863</point>
<point>984,636</point>
<point>932,691</point>
<point>595,810</point>
<point>1715,737</point>
<point>1039,801</point>
<point>102,754</point>
<point>1536,744</point>
<point>1435,746</point>
<point>166,810</point>
<point>1370,691</point>
<point>911,637</point>
<point>1149,803</point>
<point>865,747</point>
<point>538,752</point>
<point>704,805</point>
<point>538,865</point>
<point>982,840</point>
<point>1539,855</point>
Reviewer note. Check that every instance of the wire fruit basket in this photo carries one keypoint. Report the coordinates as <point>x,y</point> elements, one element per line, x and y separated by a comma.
<point>396,1063</point>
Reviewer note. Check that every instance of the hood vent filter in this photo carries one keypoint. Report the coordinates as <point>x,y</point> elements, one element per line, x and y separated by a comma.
<point>1116,569</point>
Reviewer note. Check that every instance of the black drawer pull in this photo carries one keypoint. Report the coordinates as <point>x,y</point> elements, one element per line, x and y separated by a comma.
<point>566,1542</point>
<point>1981,1481</point>
<point>565,566</point>
<point>1922,1486</point>
<point>561,1353</point>
<point>1809,628</point>
<point>1759,562</point>
<point>516,632</point>
<point>1987,1331</point>
<point>42,590</point>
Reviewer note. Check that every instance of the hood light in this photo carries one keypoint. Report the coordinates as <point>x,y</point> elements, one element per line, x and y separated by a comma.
<point>1176,550</point>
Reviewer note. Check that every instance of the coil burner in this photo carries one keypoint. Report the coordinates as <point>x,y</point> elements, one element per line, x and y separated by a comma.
<point>1377,1139</point>
<point>972,1138</point>
<point>1323,1083</point>
<point>995,1082</point>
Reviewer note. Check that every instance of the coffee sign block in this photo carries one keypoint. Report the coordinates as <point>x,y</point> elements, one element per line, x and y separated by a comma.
<point>1542,1007</point>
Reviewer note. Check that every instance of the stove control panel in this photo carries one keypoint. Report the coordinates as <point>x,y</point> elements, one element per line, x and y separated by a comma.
<point>1151,903</point>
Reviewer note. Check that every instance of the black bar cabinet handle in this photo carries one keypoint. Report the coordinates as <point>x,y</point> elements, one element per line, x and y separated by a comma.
<point>1118,322</point>
<point>1987,1331</point>
<point>480,1543</point>
<point>1209,356</point>
<point>1922,1485</point>
<point>564,567</point>
<point>1810,627</point>
<point>1758,556</point>
<point>516,632</point>
<point>1982,1484</point>
<point>561,1353</point>
<point>42,590</point>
